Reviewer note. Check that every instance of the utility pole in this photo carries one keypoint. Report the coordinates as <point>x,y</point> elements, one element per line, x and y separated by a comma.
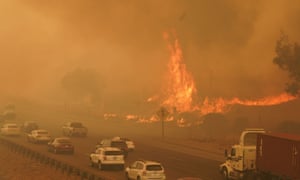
<point>162,114</point>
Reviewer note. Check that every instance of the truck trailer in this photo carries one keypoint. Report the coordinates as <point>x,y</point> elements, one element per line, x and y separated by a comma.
<point>263,155</point>
<point>277,154</point>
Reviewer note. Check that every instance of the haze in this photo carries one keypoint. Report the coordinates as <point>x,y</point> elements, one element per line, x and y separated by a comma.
<point>228,46</point>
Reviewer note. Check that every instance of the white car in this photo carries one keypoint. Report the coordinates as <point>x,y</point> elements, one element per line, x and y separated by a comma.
<point>10,129</point>
<point>145,170</point>
<point>130,144</point>
<point>39,136</point>
<point>107,156</point>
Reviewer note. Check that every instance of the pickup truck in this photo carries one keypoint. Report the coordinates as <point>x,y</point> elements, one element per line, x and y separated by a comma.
<point>74,129</point>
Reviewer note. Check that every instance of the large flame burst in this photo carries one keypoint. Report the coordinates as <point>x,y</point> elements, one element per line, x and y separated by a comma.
<point>181,89</point>
<point>181,86</point>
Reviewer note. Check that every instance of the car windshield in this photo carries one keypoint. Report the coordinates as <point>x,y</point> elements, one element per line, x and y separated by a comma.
<point>118,144</point>
<point>42,132</point>
<point>31,124</point>
<point>12,126</point>
<point>113,153</point>
<point>76,125</point>
<point>153,167</point>
<point>64,141</point>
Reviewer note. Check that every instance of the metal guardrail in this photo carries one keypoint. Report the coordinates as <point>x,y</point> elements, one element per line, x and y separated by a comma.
<point>52,162</point>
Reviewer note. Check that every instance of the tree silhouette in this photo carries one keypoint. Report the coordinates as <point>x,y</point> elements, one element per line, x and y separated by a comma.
<point>288,59</point>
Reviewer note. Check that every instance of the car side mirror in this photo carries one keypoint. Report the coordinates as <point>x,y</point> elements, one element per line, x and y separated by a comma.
<point>226,153</point>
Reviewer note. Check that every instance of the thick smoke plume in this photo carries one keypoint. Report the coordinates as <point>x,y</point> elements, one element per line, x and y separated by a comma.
<point>228,45</point>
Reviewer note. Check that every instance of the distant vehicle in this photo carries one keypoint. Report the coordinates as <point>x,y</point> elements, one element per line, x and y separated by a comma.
<point>39,136</point>
<point>61,145</point>
<point>107,156</point>
<point>10,129</point>
<point>28,126</point>
<point>145,170</point>
<point>74,129</point>
<point>129,142</point>
<point>9,112</point>
<point>114,143</point>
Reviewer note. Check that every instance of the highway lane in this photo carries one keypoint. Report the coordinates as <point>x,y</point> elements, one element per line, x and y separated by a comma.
<point>176,164</point>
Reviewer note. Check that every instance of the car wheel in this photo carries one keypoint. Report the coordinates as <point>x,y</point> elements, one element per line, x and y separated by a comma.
<point>127,176</point>
<point>224,174</point>
<point>138,178</point>
<point>91,163</point>
<point>100,166</point>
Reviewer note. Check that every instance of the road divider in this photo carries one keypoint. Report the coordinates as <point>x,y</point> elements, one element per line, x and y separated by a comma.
<point>50,161</point>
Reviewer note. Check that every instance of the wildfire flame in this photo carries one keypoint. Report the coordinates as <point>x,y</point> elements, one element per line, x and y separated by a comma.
<point>181,89</point>
<point>181,86</point>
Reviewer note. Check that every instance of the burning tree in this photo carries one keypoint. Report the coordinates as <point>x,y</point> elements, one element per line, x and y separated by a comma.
<point>288,59</point>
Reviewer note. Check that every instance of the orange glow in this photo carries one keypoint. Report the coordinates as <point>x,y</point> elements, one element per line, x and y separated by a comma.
<point>181,85</point>
<point>181,89</point>
<point>221,105</point>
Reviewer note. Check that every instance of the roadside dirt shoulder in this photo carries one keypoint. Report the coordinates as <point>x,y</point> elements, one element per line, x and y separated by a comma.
<point>14,166</point>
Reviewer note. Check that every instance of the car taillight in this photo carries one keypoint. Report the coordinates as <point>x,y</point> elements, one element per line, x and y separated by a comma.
<point>104,157</point>
<point>144,173</point>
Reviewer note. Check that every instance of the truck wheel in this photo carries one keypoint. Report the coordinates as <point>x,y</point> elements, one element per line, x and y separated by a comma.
<point>100,166</point>
<point>224,174</point>
<point>91,163</point>
<point>126,176</point>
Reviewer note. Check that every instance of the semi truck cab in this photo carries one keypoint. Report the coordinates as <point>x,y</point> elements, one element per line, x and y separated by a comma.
<point>242,156</point>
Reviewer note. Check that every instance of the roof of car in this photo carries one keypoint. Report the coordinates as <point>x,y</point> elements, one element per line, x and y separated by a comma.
<point>109,148</point>
<point>149,161</point>
<point>10,124</point>
<point>30,122</point>
<point>61,138</point>
<point>40,130</point>
<point>120,138</point>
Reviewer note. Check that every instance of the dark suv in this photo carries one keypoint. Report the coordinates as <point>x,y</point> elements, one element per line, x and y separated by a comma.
<point>121,144</point>
<point>28,126</point>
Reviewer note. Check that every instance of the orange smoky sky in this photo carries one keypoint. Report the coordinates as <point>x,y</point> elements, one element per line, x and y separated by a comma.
<point>228,46</point>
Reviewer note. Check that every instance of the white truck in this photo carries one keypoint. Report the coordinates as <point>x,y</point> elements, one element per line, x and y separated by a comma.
<point>242,158</point>
<point>263,155</point>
